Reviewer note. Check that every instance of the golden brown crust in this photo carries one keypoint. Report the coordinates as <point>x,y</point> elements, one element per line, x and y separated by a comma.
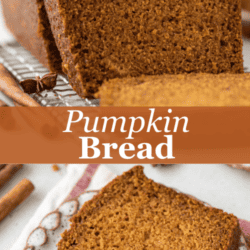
<point>233,243</point>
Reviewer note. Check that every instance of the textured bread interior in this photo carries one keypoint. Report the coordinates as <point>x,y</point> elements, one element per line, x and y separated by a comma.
<point>116,38</point>
<point>133,212</point>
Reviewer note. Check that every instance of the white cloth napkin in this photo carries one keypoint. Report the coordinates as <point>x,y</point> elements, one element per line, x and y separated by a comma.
<point>60,192</point>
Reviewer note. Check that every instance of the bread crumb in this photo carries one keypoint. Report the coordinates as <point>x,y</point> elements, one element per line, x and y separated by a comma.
<point>55,168</point>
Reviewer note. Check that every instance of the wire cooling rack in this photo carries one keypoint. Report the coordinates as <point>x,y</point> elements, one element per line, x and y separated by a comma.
<point>22,65</point>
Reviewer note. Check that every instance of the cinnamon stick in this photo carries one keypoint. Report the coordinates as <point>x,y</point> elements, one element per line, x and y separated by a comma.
<point>3,104</point>
<point>15,197</point>
<point>10,88</point>
<point>2,166</point>
<point>8,172</point>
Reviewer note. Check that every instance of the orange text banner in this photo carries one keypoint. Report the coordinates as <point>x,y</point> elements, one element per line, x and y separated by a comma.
<point>125,135</point>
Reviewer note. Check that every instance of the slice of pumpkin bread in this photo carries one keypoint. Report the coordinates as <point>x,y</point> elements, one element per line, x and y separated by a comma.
<point>177,90</point>
<point>134,212</point>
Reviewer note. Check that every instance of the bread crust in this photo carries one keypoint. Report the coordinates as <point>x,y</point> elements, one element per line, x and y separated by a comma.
<point>28,22</point>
